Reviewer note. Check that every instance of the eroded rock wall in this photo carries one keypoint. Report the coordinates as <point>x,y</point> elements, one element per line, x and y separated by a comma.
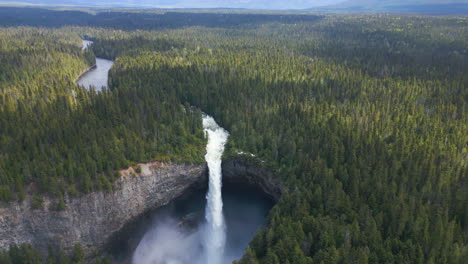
<point>92,219</point>
<point>239,170</point>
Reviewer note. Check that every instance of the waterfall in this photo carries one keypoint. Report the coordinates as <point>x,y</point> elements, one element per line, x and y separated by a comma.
<point>215,233</point>
<point>166,243</point>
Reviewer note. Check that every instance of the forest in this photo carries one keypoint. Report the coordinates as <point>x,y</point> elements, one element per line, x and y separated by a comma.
<point>363,118</point>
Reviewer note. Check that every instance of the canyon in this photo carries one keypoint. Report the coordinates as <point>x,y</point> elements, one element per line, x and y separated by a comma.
<point>92,219</point>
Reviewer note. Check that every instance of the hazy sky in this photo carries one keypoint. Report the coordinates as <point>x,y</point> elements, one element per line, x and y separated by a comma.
<point>257,4</point>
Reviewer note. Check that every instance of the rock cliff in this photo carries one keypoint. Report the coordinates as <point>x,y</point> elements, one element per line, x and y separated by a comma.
<point>244,171</point>
<point>93,218</point>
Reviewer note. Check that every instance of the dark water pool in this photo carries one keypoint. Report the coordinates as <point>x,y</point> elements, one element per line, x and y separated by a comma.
<point>245,210</point>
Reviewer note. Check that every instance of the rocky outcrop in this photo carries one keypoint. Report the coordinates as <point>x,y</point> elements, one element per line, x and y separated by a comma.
<point>93,218</point>
<point>245,171</point>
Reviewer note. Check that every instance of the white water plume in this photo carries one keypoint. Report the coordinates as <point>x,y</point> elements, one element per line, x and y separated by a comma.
<point>168,243</point>
<point>215,230</point>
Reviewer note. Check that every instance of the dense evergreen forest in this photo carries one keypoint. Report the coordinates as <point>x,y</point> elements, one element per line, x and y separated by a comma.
<point>67,140</point>
<point>364,119</point>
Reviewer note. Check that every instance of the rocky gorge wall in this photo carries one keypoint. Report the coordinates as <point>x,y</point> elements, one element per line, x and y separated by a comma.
<point>92,219</point>
<point>244,171</point>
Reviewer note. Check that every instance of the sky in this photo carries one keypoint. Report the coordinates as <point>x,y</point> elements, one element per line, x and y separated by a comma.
<point>251,4</point>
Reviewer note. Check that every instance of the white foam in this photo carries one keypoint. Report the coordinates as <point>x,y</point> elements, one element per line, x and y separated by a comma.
<point>215,230</point>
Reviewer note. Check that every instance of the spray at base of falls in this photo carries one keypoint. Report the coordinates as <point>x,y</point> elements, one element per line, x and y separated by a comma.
<point>215,233</point>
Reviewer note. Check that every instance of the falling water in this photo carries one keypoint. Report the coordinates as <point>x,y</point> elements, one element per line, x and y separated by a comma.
<point>168,243</point>
<point>215,233</point>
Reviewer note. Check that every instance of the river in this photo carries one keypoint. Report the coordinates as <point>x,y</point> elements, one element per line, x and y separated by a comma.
<point>98,76</point>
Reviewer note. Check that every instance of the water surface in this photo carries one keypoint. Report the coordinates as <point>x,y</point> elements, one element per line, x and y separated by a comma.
<point>98,76</point>
<point>174,230</point>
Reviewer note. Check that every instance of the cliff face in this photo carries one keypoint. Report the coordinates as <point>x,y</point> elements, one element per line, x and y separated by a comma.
<point>239,170</point>
<point>93,218</point>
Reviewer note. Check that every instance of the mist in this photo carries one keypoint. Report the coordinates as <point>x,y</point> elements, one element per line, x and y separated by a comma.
<point>167,243</point>
<point>175,233</point>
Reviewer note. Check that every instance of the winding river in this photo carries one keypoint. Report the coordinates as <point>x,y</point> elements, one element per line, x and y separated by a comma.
<point>210,225</point>
<point>97,76</point>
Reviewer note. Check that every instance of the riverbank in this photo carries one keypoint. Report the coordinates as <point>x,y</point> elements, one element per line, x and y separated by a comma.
<point>94,66</point>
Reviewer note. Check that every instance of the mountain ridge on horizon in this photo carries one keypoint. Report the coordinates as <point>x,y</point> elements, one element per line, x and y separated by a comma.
<point>182,4</point>
<point>392,6</point>
<point>406,6</point>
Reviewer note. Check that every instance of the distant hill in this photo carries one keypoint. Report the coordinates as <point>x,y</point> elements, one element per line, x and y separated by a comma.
<point>403,6</point>
<point>244,4</point>
<point>397,6</point>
